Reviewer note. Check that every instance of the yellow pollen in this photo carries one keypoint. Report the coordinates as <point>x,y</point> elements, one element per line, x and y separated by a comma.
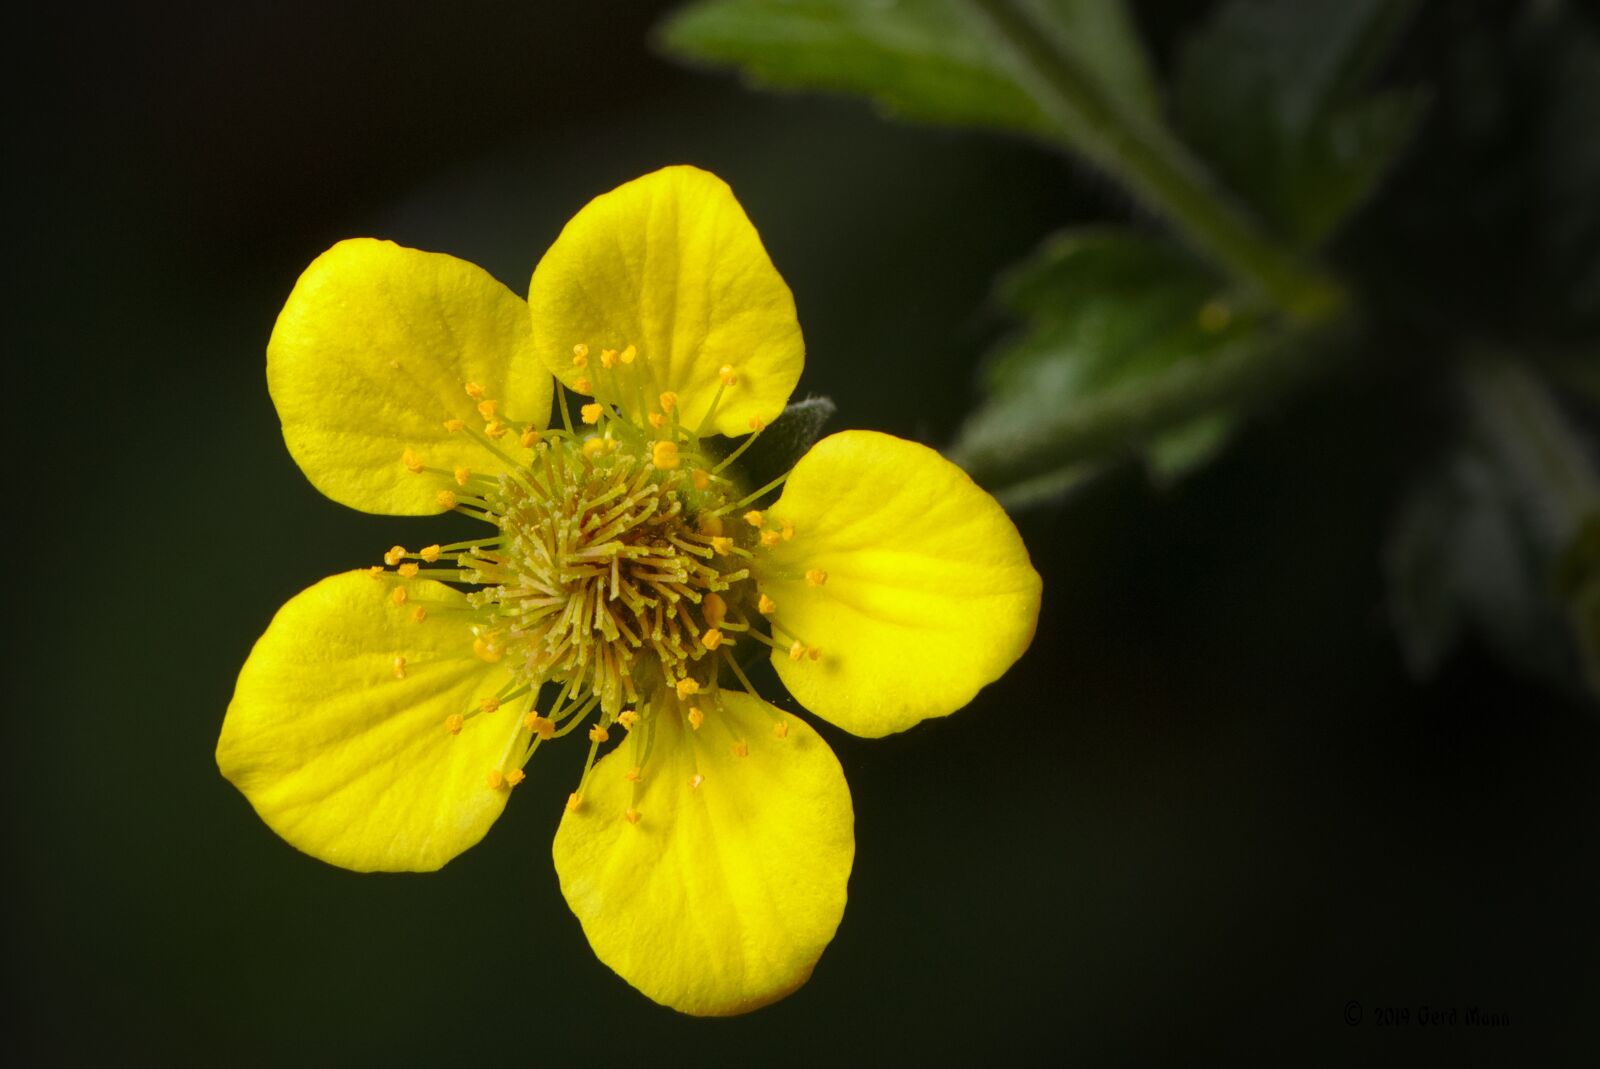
<point>632,775</point>
<point>715,609</point>
<point>780,730</point>
<point>687,687</point>
<point>495,429</point>
<point>664,455</point>
<point>757,423</point>
<point>608,358</point>
<point>754,518</point>
<point>474,391</point>
<point>632,815</point>
<point>594,447</point>
<point>726,374</point>
<point>454,723</point>
<point>429,553</point>
<point>412,461</point>
<point>813,652</point>
<point>658,420</point>
<point>407,570</point>
<point>669,401</point>
<point>495,779</point>
<point>766,606</point>
<point>711,639</point>
<point>530,437</point>
<point>816,577</point>
<point>446,499</point>
<point>489,705</point>
<point>695,781</point>
<point>462,475</point>
<point>453,425</point>
<point>541,726</point>
<point>702,478</point>
<point>376,571</point>
<point>580,355</point>
<point>419,614</point>
<point>486,650</point>
<point>696,717</point>
<point>598,734</point>
<point>771,538</point>
<point>583,385</point>
<point>741,749</point>
<point>573,801</point>
<point>629,719</point>
<point>797,651</point>
<point>722,545</point>
<point>394,555</point>
<point>629,354</point>
<point>488,409</point>
<point>788,530</point>
<point>592,413</point>
<point>399,595</point>
<point>515,776</point>
<point>399,667</point>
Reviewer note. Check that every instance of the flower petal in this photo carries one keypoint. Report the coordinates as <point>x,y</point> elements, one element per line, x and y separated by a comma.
<point>928,596</point>
<point>670,264</point>
<point>346,759</point>
<point>372,353</point>
<point>725,892</point>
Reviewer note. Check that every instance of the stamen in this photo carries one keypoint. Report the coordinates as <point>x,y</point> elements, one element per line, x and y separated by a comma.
<point>766,606</point>
<point>413,461</point>
<point>454,723</point>
<point>400,662</point>
<point>696,717</point>
<point>399,598</point>
<point>488,409</point>
<point>407,570</point>
<point>474,391</point>
<point>664,455</point>
<point>816,577</point>
<point>592,413</point>
<point>695,781</point>
<point>631,815</point>
<point>632,775</point>
<point>754,518</point>
<point>515,776</point>
<point>430,554</point>
<point>741,749</point>
<point>781,729</point>
<point>394,556</point>
<point>454,425</point>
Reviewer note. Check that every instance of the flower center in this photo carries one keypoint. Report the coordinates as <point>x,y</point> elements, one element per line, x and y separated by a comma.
<point>612,573</point>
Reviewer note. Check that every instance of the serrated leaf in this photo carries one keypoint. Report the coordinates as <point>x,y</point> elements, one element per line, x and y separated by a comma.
<point>927,60</point>
<point>1268,91</point>
<point>1112,317</point>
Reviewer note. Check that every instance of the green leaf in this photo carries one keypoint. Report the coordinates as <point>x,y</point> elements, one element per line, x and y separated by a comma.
<point>928,60</point>
<point>1116,325</point>
<point>1270,92</point>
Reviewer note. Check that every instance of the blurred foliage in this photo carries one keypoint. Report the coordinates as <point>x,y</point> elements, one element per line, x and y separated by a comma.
<point>1329,210</point>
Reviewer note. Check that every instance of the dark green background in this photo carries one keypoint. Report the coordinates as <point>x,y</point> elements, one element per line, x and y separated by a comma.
<point>1205,813</point>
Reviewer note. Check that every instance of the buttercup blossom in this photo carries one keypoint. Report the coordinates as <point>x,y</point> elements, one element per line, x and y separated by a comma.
<point>623,583</point>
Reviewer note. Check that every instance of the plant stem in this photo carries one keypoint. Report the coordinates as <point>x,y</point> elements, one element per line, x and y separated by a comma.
<point>1156,168</point>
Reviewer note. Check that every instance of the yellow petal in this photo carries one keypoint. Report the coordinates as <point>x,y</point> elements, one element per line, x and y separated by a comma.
<point>373,352</point>
<point>343,750</point>
<point>928,592</point>
<point>670,264</point>
<point>723,895</point>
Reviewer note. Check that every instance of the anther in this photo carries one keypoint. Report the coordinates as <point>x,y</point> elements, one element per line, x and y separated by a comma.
<point>541,726</point>
<point>580,354</point>
<point>474,391</point>
<point>664,455</point>
<point>454,723</point>
<point>486,650</point>
<point>515,776</point>
<point>797,651</point>
<point>412,461</point>
<point>695,781</point>
<point>462,475</point>
<point>454,425</point>
<point>488,409</point>
<point>757,424</point>
<point>628,719</point>
<point>669,401</point>
<point>633,774</point>
<point>573,802</point>
<point>722,545</point>
<point>741,749</point>
<point>696,717</point>
<point>788,530</point>
<point>813,653</point>
<point>407,570</point>
<point>816,577</point>
<point>489,704</point>
<point>583,385</point>
<point>780,730</point>
<point>766,606</point>
<point>394,556</point>
<point>686,687</point>
<point>709,524</point>
<point>399,667</point>
<point>715,609</point>
<point>419,614</point>
<point>446,499</point>
<point>495,779</point>
<point>430,553</point>
<point>598,734</point>
<point>702,478</point>
<point>754,518</point>
<point>592,413</point>
<point>727,375</point>
<point>631,816</point>
<point>628,355</point>
<point>657,420</point>
<point>711,639</point>
<point>608,358</point>
<point>530,437</point>
<point>376,571</point>
<point>495,429</point>
<point>593,447</point>
<point>771,538</point>
<point>399,595</point>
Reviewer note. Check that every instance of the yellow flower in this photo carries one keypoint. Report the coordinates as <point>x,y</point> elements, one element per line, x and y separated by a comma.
<point>624,582</point>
